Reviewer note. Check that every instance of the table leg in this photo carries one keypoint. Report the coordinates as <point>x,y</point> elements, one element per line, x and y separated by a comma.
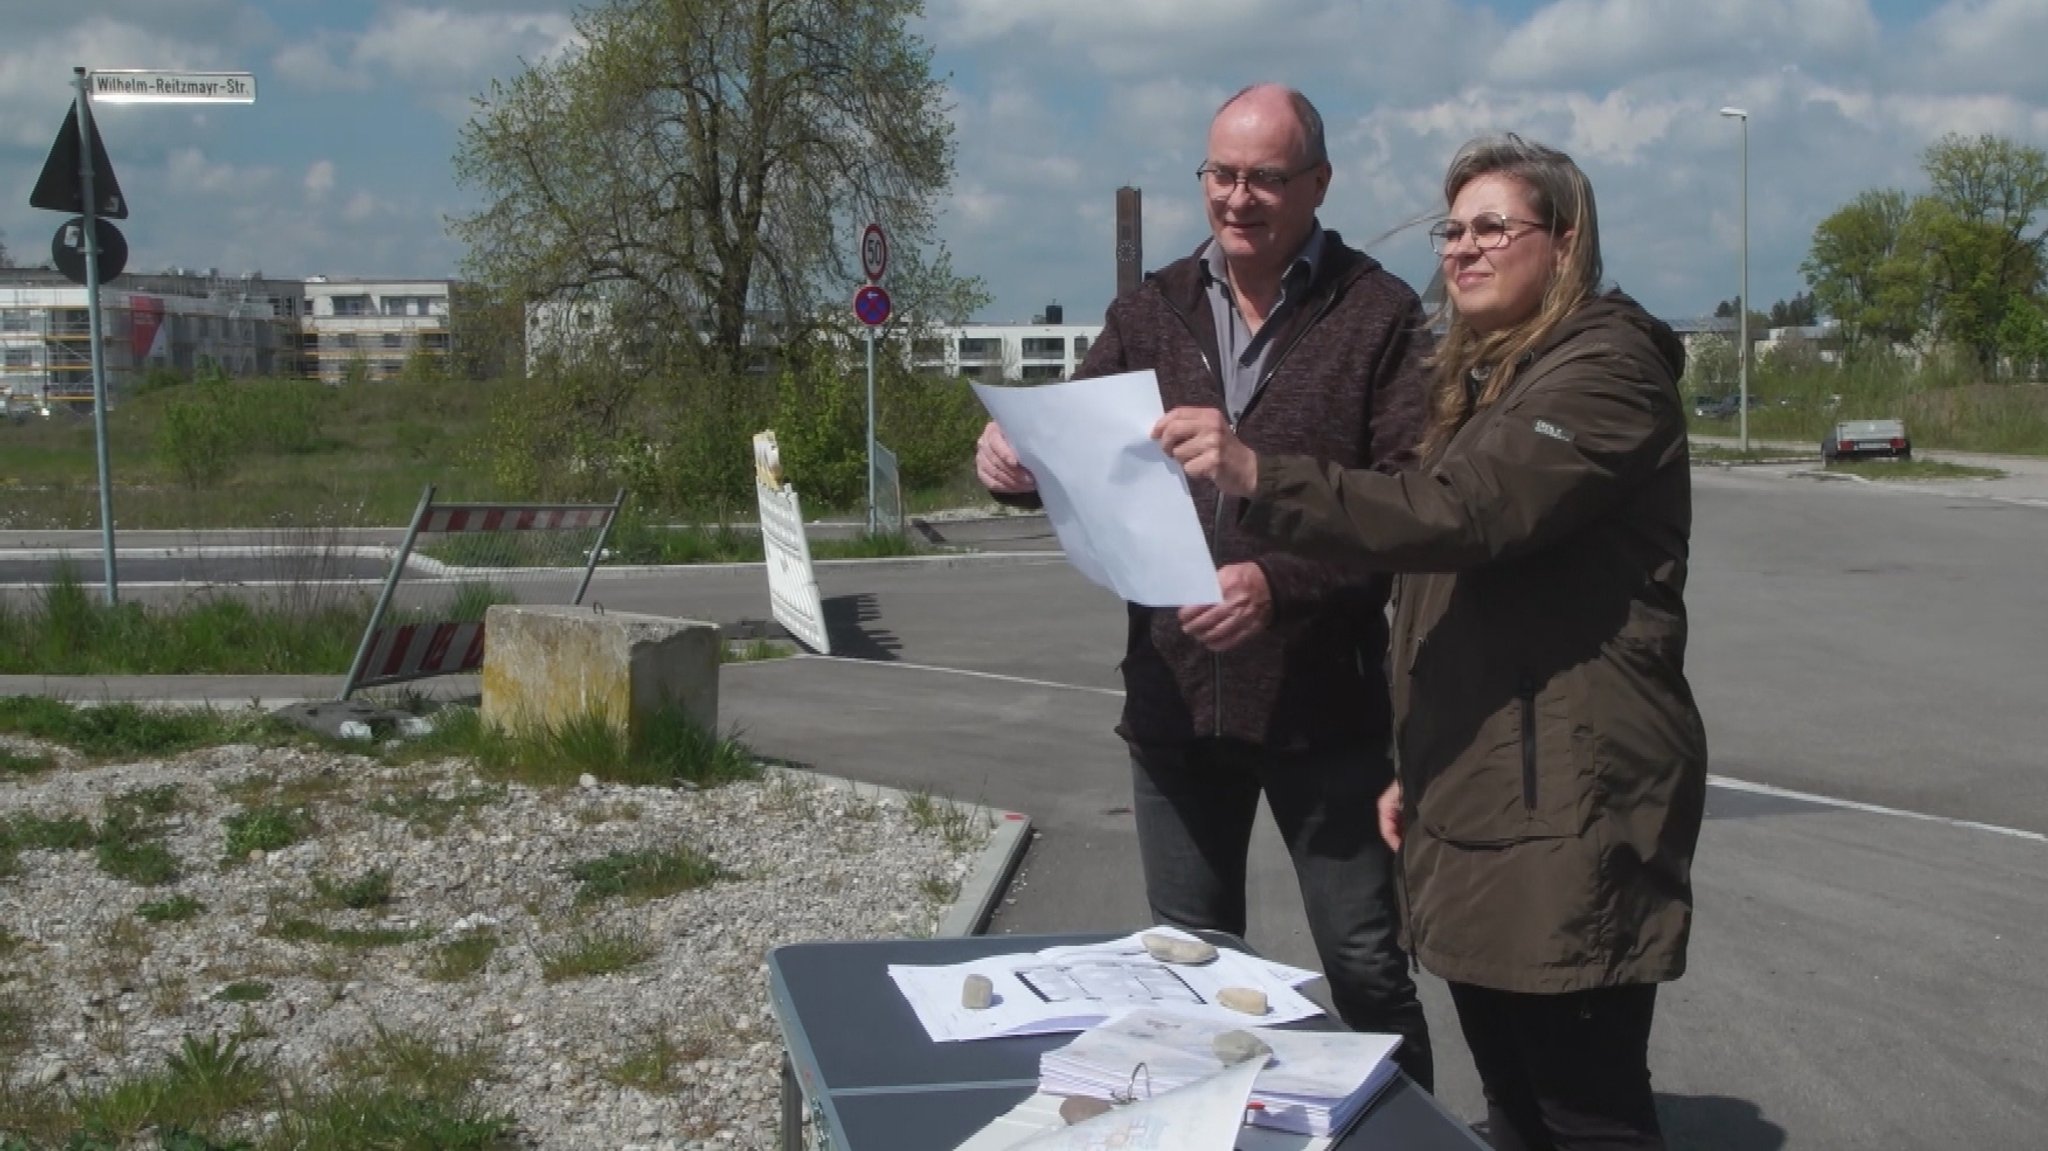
<point>792,1108</point>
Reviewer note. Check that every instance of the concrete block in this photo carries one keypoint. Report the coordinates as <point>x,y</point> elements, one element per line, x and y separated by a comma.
<point>548,664</point>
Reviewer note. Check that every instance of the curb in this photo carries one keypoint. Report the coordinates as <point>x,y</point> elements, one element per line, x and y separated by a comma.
<point>987,878</point>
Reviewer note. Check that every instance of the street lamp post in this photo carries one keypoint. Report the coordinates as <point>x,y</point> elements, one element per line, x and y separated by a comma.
<point>1742,301</point>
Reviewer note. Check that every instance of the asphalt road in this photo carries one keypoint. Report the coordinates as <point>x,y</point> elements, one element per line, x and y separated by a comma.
<point>1866,966</point>
<point>1859,978</point>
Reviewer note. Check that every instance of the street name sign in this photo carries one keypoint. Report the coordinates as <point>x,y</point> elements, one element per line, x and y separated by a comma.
<point>124,86</point>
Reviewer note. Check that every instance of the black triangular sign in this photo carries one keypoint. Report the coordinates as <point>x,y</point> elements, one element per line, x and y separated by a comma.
<point>59,188</point>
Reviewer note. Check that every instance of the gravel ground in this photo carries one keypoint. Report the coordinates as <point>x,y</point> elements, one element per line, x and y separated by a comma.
<point>111,993</point>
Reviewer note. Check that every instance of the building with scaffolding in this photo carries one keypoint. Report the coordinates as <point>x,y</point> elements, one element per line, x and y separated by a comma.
<point>189,322</point>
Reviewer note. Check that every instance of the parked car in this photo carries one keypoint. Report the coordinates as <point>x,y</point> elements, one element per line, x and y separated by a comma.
<point>1867,439</point>
<point>1715,407</point>
<point>1724,407</point>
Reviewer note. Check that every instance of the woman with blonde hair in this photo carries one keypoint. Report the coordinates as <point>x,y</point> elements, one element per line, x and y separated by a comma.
<point>1551,761</point>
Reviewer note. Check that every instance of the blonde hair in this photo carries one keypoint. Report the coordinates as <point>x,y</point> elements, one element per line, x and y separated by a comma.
<point>1561,198</point>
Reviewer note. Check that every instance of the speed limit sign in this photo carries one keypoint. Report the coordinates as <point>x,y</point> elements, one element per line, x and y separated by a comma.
<point>874,253</point>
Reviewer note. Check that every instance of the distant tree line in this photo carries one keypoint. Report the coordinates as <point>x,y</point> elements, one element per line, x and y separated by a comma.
<point>1959,266</point>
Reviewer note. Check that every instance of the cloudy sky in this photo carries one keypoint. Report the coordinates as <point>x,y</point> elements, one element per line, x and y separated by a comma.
<point>342,166</point>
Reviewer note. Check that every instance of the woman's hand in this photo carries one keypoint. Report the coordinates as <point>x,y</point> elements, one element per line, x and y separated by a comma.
<point>1201,441</point>
<point>1390,816</point>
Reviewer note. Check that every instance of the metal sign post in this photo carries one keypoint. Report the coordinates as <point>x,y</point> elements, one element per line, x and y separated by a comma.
<point>871,431</point>
<point>871,304</point>
<point>92,311</point>
<point>86,184</point>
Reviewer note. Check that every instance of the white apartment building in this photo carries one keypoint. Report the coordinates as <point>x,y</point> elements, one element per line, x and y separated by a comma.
<point>1031,353</point>
<point>368,329</point>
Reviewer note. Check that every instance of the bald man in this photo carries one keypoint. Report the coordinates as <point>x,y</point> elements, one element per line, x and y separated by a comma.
<point>1310,348</point>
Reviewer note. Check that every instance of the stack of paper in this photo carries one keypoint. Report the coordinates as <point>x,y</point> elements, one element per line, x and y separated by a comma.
<point>1316,1082</point>
<point>1207,1115</point>
<point>1074,988</point>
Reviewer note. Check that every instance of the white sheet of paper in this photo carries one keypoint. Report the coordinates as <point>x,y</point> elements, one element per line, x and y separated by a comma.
<point>1040,1115</point>
<point>1207,1115</point>
<point>1074,988</point>
<point>1119,505</point>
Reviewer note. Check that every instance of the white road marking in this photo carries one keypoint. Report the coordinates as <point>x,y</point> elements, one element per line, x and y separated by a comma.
<point>1721,781</point>
<point>959,671</point>
<point>1870,808</point>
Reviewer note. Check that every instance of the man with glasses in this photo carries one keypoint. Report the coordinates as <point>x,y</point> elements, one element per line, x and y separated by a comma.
<point>1310,348</point>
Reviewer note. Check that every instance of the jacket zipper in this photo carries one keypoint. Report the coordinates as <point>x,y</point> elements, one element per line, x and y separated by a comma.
<point>1528,744</point>
<point>1216,523</point>
<point>1216,520</point>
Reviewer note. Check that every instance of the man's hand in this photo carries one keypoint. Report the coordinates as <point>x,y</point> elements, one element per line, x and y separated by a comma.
<point>1201,440</point>
<point>996,464</point>
<point>1390,816</point>
<point>1246,610</point>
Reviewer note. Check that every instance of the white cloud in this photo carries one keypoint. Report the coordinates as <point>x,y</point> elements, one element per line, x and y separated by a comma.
<point>1979,44</point>
<point>311,63</point>
<point>431,45</point>
<point>35,71</point>
<point>1595,43</point>
<point>360,207</point>
<point>319,180</point>
<point>190,173</point>
<point>1380,44</point>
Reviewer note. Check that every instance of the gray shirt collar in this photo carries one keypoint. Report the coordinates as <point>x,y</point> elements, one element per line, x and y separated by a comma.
<point>1300,271</point>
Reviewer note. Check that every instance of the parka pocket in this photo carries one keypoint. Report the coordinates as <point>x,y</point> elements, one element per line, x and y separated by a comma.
<point>1526,775</point>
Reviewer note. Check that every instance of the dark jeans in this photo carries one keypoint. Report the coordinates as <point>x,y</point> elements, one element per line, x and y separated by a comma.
<point>1564,1072</point>
<point>1195,808</point>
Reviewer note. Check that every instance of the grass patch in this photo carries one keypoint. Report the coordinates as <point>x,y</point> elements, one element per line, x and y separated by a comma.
<point>30,832</point>
<point>643,875</point>
<point>756,650</point>
<point>1701,453</point>
<point>17,1027</point>
<point>633,541</point>
<point>592,814</point>
<point>458,959</point>
<point>365,891</point>
<point>430,814</point>
<point>939,889</point>
<point>15,763</point>
<point>136,859</point>
<point>176,909</point>
<point>388,1117</point>
<point>124,730</point>
<point>863,547</point>
<point>203,1083</point>
<point>70,630</point>
<point>269,827</point>
<point>955,823</point>
<point>653,1064</point>
<point>672,749</point>
<point>1912,470</point>
<point>263,788</point>
<point>35,833</point>
<point>298,929</point>
<point>243,991</point>
<point>637,543</point>
<point>414,1063</point>
<point>591,953</point>
<point>145,805</point>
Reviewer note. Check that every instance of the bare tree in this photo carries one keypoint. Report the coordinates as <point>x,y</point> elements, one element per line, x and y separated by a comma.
<point>699,167</point>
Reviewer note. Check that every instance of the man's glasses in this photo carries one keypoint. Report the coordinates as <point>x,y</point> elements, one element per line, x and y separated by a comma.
<point>1489,231</point>
<point>1263,183</point>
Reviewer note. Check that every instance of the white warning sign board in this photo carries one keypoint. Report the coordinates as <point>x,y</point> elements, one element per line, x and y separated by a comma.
<point>792,583</point>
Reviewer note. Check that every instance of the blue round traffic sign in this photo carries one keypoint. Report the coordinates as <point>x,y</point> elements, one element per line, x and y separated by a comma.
<point>871,304</point>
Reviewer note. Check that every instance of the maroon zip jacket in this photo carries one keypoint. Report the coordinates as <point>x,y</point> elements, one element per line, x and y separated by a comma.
<point>1344,384</point>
